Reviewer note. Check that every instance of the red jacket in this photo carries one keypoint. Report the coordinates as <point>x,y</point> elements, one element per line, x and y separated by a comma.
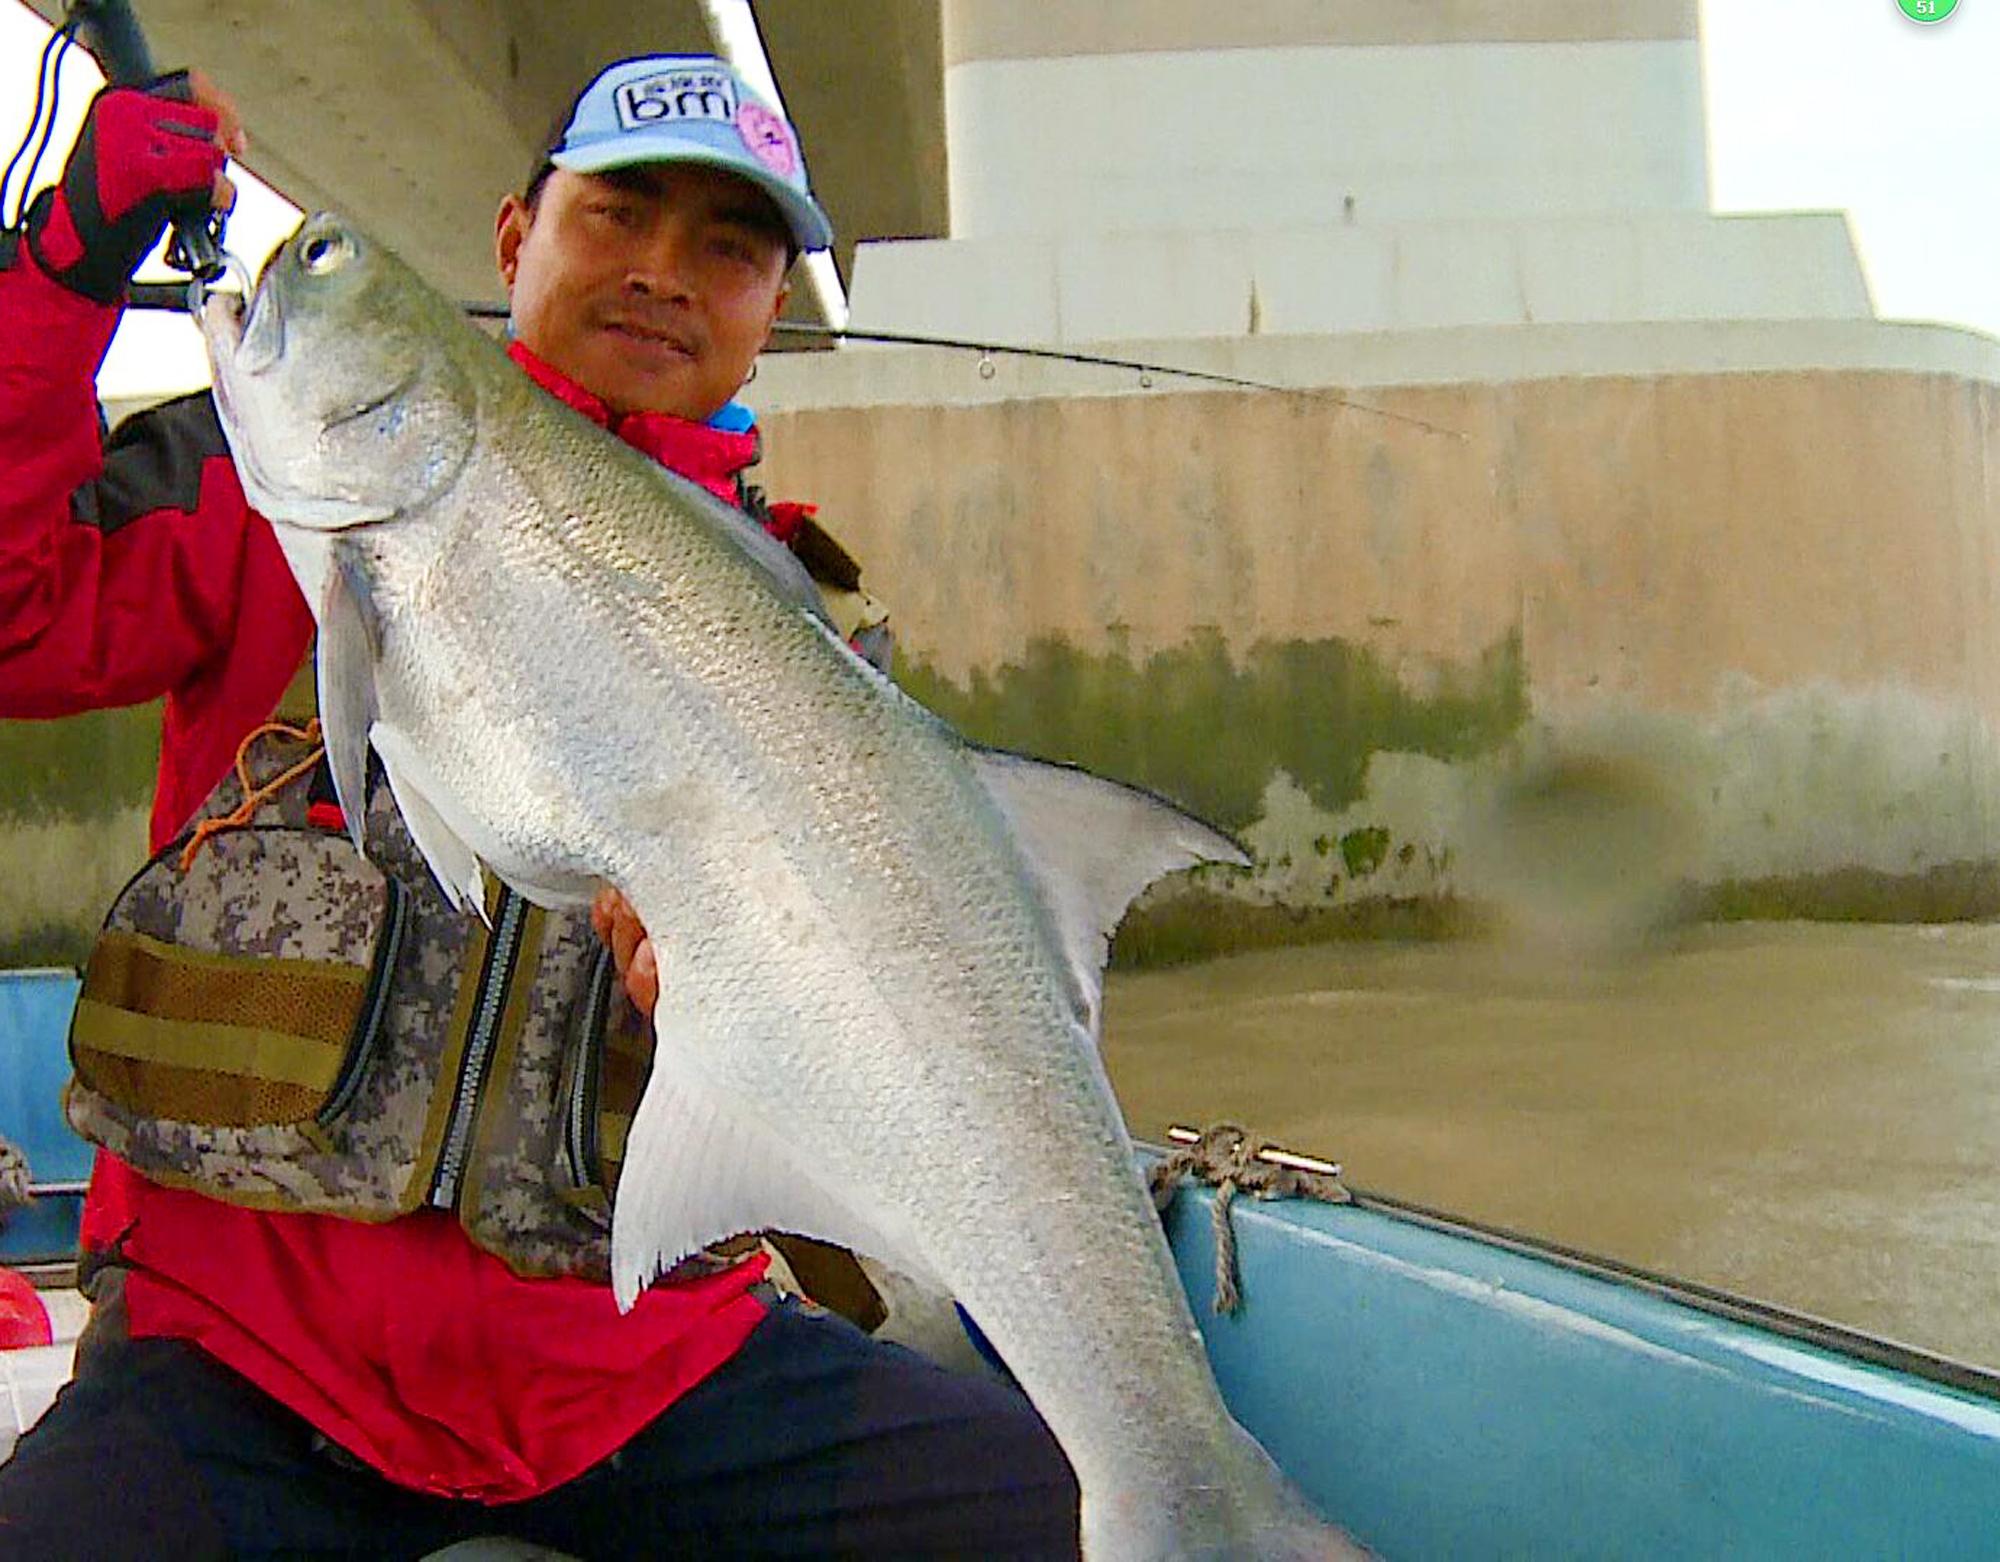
<point>135,569</point>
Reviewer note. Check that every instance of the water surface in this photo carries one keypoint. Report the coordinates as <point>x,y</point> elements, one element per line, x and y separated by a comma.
<point>1804,1113</point>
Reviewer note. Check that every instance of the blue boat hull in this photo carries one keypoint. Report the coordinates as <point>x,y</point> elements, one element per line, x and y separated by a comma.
<point>1447,1392</point>
<point>1446,1396</point>
<point>34,1066</point>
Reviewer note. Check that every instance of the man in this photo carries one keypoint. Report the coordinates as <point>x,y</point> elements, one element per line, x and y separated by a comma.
<point>378,1322</point>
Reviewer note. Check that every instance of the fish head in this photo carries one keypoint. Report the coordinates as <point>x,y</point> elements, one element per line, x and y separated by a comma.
<point>341,384</point>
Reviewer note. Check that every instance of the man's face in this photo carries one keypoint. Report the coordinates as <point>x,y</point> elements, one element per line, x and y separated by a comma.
<point>653,287</point>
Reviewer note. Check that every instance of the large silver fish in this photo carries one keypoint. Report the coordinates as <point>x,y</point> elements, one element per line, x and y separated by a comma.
<point>881,948</point>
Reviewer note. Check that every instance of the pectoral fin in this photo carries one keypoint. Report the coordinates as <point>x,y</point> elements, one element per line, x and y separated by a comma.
<point>346,677</point>
<point>453,863</point>
<point>453,842</point>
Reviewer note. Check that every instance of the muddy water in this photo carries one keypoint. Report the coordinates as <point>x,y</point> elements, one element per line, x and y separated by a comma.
<point>1804,1113</point>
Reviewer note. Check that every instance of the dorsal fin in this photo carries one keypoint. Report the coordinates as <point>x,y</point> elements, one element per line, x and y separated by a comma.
<point>1092,846</point>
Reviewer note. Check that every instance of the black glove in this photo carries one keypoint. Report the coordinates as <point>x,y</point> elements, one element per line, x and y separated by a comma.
<point>147,155</point>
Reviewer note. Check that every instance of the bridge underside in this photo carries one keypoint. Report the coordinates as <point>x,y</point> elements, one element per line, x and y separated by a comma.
<point>415,118</point>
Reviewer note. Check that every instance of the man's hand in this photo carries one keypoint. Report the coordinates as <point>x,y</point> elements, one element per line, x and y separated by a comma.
<point>146,155</point>
<point>631,950</point>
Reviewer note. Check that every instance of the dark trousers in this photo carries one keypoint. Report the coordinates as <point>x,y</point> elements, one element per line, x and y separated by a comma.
<point>814,1440</point>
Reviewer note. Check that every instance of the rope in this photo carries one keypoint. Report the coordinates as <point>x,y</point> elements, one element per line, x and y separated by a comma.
<point>1228,1159</point>
<point>255,795</point>
<point>14,1180</point>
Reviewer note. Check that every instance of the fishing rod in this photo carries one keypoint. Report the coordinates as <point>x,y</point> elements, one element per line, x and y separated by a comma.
<point>1135,365</point>
<point>989,350</point>
<point>110,33</point>
<point>171,296</point>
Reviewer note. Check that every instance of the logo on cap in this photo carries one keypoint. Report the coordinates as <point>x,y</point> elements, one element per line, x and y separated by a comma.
<point>676,95</point>
<point>769,139</point>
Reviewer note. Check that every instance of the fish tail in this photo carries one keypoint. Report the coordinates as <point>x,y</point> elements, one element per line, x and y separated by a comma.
<point>1246,1511</point>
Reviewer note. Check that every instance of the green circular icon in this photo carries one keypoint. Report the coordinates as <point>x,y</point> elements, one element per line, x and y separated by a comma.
<point>1927,11</point>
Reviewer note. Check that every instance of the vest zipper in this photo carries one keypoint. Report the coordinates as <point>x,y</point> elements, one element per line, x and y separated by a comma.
<point>502,952</point>
<point>580,1135</point>
<point>361,1050</point>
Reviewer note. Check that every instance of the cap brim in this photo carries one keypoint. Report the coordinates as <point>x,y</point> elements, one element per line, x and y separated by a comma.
<point>809,225</point>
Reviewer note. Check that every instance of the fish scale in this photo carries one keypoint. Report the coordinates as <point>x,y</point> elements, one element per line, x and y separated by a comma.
<point>880,947</point>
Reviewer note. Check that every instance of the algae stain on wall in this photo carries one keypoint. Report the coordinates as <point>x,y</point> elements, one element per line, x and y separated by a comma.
<point>74,800</point>
<point>1210,729</point>
<point>93,766</point>
<point>1373,808</point>
<point>1258,742</point>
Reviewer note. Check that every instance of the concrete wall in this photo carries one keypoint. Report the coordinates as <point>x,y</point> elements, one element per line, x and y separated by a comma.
<point>1646,534</point>
<point>1609,635</point>
<point>1518,616</point>
<point>1312,281</point>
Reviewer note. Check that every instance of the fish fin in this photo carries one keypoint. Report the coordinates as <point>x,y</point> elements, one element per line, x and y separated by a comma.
<point>345,671</point>
<point>553,891</point>
<point>453,843</point>
<point>453,864</point>
<point>699,1169</point>
<point>1092,846</point>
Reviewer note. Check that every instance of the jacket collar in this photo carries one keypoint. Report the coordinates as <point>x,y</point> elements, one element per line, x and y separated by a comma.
<point>712,457</point>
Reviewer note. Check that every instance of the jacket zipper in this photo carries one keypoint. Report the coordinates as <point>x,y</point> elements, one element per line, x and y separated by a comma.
<point>502,952</point>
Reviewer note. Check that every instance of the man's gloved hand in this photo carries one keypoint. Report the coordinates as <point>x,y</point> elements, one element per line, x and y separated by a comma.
<point>146,155</point>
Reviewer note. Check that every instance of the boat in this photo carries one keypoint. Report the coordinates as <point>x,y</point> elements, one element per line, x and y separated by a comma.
<point>1443,1388</point>
<point>39,1240</point>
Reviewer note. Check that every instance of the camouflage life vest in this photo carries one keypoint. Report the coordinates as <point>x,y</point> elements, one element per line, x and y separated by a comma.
<point>274,1020</point>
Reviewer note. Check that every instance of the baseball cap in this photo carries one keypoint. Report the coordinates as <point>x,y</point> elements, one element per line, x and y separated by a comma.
<point>690,108</point>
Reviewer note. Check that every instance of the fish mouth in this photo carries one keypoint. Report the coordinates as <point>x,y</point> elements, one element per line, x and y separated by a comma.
<point>220,317</point>
<point>247,334</point>
<point>262,340</point>
<point>225,324</point>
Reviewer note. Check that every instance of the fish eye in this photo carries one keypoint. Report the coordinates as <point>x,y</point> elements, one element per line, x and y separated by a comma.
<point>325,252</point>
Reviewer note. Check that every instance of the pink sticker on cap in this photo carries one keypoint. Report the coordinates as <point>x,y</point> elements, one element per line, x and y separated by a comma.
<point>769,139</point>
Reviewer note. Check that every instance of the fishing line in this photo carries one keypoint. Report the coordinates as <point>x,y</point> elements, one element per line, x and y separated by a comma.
<point>49,127</point>
<point>34,124</point>
<point>48,84</point>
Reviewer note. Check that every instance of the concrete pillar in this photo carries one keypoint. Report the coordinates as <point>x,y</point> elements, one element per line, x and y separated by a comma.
<point>1137,170</point>
<point>1192,115</point>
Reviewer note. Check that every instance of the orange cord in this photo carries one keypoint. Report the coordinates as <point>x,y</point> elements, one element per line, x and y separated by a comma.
<point>254,796</point>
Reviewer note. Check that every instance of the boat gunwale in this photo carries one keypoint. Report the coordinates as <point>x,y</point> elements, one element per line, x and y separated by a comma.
<point>1805,1328</point>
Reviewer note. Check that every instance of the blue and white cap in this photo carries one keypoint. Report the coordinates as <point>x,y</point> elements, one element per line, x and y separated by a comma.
<point>691,108</point>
